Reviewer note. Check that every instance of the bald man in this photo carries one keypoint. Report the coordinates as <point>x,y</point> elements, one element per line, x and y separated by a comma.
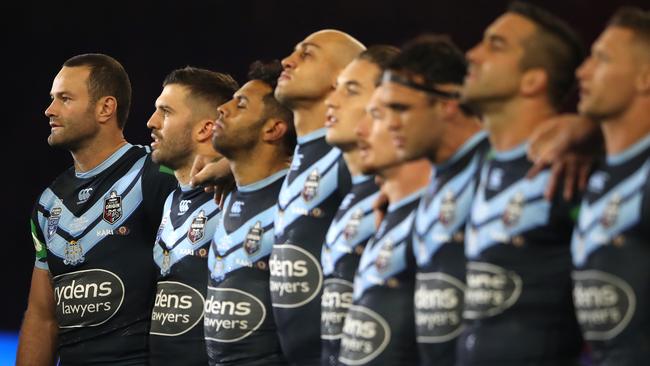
<point>312,191</point>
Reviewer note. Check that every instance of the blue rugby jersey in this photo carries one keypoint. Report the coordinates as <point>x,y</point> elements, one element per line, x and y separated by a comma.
<point>180,251</point>
<point>239,327</point>
<point>379,327</point>
<point>310,196</point>
<point>438,248</point>
<point>346,238</point>
<point>518,306</point>
<point>611,249</point>
<point>94,232</point>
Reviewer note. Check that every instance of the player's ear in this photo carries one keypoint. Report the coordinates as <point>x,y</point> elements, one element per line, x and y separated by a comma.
<point>274,130</point>
<point>203,130</point>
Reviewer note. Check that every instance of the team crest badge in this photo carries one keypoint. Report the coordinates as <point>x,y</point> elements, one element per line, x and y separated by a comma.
<point>310,189</point>
<point>610,214</point>
<point>513,210</point>
<point>197,228</point>
<point>166,263</point>
<point>383,257</point>
<point>112,208</point>
<point>352,227</point>
<point>53,221</point>
<point>447,209</point>
<point>253,238</point>
<point>73,253</point>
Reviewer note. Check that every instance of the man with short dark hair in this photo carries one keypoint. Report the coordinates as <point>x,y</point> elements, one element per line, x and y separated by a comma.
<point>93,227</point>
<point>181,128</point>
<point>256,134</point>
<point>518,305</point>
<point>610,241</point>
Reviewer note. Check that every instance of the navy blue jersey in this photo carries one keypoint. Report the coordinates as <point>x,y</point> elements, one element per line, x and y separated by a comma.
<point>239,326</point>
<point>438,248</point>
<point>379,327</point>
<point>518,303</point>
<point>611,249</point>
<point>188,223</point>
<point>310,196</point>
<point>94,232</point>
<point>346,238</point>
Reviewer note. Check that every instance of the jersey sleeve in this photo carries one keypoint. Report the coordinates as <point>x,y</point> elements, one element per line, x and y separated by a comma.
<point>158,182</point>
<point>40,249</point>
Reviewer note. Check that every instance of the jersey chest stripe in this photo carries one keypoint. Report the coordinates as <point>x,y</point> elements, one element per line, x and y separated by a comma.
<point>295,182</point>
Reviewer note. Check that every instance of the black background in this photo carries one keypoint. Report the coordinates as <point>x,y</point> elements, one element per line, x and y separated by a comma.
<point>151,38</point>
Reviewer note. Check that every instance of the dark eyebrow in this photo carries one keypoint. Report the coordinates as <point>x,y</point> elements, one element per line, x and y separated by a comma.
<point>241,97</point>
<point>496,38</point>
<point>304,45</point>
<point>352,83</point>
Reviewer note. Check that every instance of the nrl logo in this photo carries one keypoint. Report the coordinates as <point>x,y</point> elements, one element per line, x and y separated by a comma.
<point>112,208</point>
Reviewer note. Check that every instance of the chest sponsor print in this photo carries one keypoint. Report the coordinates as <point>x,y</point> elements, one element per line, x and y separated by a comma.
<point>604,304</point>
<point>365,336</point>
<point>490,290</point>
<point>295,276</point>
<point>335,302</point>
<point>87,298</point>
<point>438,307</point>
<point>231,314</point>
<point>177,309</point>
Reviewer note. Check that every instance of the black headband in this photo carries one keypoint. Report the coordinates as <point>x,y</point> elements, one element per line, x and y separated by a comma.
<point>389,76</point>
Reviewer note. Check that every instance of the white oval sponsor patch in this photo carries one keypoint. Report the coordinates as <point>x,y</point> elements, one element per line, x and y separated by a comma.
<point>231,314</point>
<point>335,302</point>
<point>177,308</point>
<point>490,290</point>
<point>87,298</point>
<point>438,305</point>
<point>604,304</point>
<point>295,276</point>
<point>365,336</point>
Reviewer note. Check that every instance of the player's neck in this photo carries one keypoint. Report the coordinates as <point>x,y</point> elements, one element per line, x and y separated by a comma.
<point>513,124</point>
<point>96,152</point>
<point>627,128</point>
<point>353,161</point>
<point>405,179</point>
<point>309,118</point>
<point>456,135</point>
<point>257,164</point>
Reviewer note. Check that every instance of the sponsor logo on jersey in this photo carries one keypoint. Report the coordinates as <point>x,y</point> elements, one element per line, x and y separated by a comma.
<point>495,179</point>
<point>53,221</point>
<point>84,195</point>
<point>513,210</point>
<point>490,290</point>
<point>165,265</point>
<point>295,276</point>
<point>122,231</point>
<point>253,238</point>
<point>296,161</point>
<point>347,200</point>
<point>236,209</point>
<point>335,302</point>
<point>438,305</point>
<point>231,314</point>
<point>365,336</point>
<point>352,227</point>
<point>197,227</point>
<point>112,208</point>
<point>310,189</point>
<point>183,206</point>
<point>177,309</point>
<point>604,304</point>
<point>218,269</point>
<point>73,253</point>
<point>87,298</point>
<point>447,209</point>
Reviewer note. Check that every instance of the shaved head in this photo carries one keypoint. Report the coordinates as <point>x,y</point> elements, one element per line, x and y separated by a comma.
<point>310,71</point>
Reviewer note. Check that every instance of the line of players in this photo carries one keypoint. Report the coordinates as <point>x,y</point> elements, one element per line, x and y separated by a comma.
<point>473,260</point>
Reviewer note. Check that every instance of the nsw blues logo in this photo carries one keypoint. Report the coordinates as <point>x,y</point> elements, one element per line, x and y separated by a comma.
<point>197,228</point>
<point>112,208</point>
<point>310,189</point>
<point>610,213</point>
<point>352,227</point>
<point>53,221</point>
<point>253,238</point>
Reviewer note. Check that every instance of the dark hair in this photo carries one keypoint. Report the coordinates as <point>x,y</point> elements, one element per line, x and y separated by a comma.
<point>432,57</point>
<point>635,19</point>
<point>107,78</point>
<point>555,47</point>
<point>213,87</point>
<point>380,55</point>
<point>268,73</point>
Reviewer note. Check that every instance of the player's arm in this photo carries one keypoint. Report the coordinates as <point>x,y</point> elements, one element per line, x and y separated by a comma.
<point>568,144</point>
<point>38,335</point>
<point>214,175</point>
